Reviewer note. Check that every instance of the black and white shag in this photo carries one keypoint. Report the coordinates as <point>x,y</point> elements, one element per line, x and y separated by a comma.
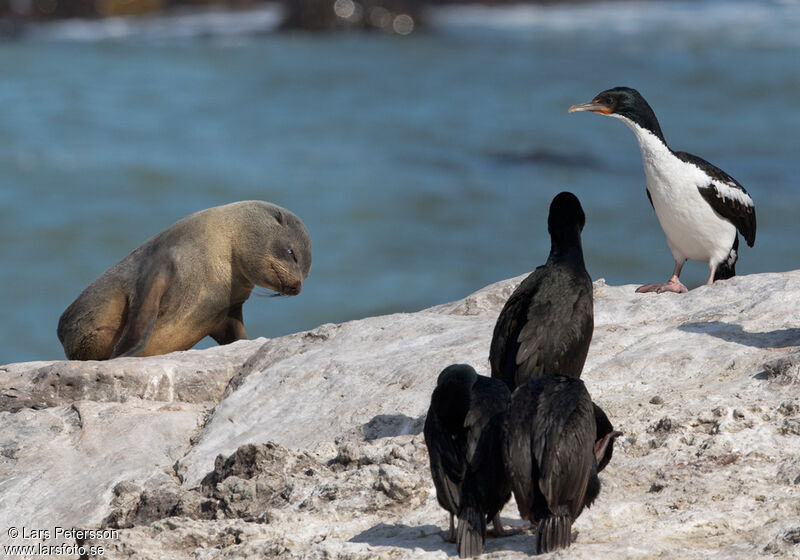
<point>699,206</point>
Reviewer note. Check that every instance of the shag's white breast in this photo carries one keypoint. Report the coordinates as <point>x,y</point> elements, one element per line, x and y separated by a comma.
<point>694,231</point>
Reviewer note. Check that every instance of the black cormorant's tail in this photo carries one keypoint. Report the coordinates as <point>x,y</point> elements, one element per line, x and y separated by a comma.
<point>553,533</point>
<point>726,268</point>
<point>471,532</point>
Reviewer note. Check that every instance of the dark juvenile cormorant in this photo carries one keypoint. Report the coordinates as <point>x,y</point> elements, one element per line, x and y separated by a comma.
<point>699,206</point>
<point>555,441</point>
<point>463,432</point>
<point>546,325</point>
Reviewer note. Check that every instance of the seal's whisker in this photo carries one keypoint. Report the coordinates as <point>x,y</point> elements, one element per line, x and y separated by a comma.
<point>269,294</point>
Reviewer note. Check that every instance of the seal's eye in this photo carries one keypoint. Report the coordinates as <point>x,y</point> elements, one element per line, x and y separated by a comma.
<point>291,254</point>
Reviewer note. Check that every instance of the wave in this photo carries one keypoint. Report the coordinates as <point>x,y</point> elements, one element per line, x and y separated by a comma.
<point>773,21</point>
<point>171,26</point>
<point>741,18</point>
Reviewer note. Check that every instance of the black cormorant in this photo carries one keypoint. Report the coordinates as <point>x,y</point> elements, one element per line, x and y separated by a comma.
<point>555,441</point>
<point>546,325</point>
<point>463,432</point>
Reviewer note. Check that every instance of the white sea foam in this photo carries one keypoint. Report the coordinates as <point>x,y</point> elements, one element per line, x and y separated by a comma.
<point>731,19</point>
<point>177,25</point>
<point>774,20</point>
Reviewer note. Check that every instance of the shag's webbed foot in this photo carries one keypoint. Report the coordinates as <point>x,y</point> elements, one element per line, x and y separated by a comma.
<point>676,287</point>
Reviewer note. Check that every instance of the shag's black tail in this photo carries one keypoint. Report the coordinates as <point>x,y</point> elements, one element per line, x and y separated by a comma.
<point>553,533</point>
<point>471,532</point>
<point>726,268</point>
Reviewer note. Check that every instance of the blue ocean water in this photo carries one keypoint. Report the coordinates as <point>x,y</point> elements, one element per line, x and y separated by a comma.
<point>423,166</point>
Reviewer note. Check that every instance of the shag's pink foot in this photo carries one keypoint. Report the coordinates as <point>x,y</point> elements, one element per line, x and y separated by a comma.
<point>676,287</point>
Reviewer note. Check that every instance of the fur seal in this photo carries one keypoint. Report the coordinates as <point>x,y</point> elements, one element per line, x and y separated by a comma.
<point>187,282</point>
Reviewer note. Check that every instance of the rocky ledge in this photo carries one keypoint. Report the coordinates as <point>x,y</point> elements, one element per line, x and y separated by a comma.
<point>310,445</point>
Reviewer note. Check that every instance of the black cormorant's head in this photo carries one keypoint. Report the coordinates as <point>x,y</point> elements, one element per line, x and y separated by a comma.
<point>623,102</point>
<point>566,216</point>
<point>451,397</point>
<point>460,374</point>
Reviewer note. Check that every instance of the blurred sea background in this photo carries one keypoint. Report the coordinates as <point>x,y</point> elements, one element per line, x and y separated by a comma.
<point>422,162</point>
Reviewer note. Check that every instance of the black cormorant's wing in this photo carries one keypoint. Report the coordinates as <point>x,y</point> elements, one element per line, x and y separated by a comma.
<point>486,475</point>
<point>727,197</point>
<point>518,458</point>
<point>563,447</point>
<point>513,317</point>
<point>558,329</point>
<point>447,462</point>
<point>489,397</point>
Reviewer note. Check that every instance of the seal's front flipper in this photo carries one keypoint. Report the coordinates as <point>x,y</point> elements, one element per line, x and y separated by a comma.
<point>142,315</point>
<point>231,328</point>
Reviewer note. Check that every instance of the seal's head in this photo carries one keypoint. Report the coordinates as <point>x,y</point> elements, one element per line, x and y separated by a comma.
<point>277,250</point>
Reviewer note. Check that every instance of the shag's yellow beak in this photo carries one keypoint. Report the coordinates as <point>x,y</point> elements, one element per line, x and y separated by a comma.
<point>594,107</point>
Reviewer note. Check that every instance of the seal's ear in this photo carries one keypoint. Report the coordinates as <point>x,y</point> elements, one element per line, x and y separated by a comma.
<point>280,218</point>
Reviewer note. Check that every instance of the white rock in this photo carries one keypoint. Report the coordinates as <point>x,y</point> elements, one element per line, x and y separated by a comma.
<point>704,386</point>
<point>193,376</point>
<point>375,374</point>
<point>59,465</point>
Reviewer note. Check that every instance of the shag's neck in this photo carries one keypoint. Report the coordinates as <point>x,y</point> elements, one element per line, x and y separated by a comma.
<point>655,151</point>
<point>644,118</point>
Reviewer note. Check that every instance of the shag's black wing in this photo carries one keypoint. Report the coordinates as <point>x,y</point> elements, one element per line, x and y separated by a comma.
<point>726,196</point>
